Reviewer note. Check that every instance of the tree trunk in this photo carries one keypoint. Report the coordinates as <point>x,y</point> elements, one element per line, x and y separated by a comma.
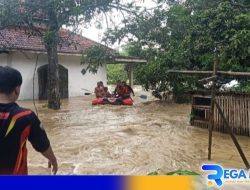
<point>53,77</point>
<point>51,40</point>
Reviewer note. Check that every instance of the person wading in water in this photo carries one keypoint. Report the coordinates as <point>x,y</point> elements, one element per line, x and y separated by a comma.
<point>17,125</point>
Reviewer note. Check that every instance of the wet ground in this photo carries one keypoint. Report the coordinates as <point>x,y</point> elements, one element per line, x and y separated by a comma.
<point>136,140</point>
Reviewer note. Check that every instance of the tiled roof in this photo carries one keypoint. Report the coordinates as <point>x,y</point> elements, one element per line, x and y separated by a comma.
<point>19,39</point>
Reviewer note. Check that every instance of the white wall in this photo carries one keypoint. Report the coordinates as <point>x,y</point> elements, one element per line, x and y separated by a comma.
<point>25,63</point>
<point>3,59</point>
<point>77,81</point>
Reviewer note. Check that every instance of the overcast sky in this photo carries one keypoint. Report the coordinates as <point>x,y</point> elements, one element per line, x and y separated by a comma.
<point>95,34</point>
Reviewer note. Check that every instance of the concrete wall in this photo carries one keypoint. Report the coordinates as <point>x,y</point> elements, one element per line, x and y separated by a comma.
<point>3,59</point>
<point>25,63</point>
<point>77,80</point>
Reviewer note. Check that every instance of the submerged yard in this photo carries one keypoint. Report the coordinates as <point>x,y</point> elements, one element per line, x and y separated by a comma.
<point>136,140</point>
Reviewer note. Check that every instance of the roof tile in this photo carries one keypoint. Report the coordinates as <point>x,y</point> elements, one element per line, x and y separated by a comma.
<point>19,39</point>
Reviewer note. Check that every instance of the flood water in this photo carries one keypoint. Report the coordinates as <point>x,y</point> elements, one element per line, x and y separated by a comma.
<point>149,136</point>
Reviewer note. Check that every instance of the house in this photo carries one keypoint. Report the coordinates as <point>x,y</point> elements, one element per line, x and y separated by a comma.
<point>27,53</point>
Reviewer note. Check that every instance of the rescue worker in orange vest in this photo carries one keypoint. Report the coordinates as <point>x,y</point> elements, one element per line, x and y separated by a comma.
<point>130,90</point>
<point>125,91</point>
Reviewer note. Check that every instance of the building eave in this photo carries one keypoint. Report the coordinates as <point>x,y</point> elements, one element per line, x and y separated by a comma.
<point>77,54</point>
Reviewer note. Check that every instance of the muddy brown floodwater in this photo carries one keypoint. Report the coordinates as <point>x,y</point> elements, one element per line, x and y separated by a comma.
<point>135,140</point>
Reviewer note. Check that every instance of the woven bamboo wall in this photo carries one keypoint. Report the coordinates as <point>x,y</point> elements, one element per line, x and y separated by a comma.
<point>236,107</point>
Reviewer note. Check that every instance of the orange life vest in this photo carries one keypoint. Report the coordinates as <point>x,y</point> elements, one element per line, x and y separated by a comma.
<point>123,90</point>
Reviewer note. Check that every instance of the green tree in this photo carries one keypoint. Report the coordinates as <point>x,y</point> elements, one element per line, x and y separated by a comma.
<point>184,35</point>
<point>46,17</point>
<point>116,72</point>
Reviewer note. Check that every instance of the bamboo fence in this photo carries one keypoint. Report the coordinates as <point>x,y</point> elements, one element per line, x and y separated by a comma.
<point>236,108</point>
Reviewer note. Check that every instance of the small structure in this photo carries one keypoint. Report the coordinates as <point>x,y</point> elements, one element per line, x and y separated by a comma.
<point>235,106</point>
<point>131,62</point>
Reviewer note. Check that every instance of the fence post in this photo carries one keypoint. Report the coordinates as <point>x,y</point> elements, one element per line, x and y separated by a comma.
<point>213,94</point>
